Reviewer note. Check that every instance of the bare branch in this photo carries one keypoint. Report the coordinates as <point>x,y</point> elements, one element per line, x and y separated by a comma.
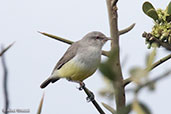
<point>4,50</point>
<point>154,65</point>
<point>5,82</point>
<point>126,29</point>
<point>105,53</point>
<point>118,87</point>
<point>41,104</point>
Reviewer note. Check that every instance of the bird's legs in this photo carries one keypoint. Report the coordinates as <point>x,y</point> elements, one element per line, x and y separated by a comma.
<point>79,82</point>
<point>90,95</point>
<point>82,85</point>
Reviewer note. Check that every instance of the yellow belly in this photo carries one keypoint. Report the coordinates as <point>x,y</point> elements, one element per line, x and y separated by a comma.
<point>76,71</point>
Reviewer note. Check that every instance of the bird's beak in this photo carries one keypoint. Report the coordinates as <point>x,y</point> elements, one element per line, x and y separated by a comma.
<point>107,38</point>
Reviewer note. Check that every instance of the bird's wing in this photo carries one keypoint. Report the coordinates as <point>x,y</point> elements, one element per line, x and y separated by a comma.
<point>69,54</point>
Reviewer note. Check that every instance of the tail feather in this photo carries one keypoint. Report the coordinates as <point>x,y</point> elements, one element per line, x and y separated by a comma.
<point>47,81</point>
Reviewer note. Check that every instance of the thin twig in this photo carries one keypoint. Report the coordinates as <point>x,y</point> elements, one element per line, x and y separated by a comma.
<point>4,50</point>
<point>5,83</point>
<point>57,38</point>
<point>118,87</point>
<point>89,94</point>
<point>152,81</point>
<point>126,29</point>
<point>154,65</point>
<point>105,53</point>
<point>41,104</point>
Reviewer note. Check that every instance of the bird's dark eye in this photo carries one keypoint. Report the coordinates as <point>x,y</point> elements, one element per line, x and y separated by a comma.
<point>97,37</point>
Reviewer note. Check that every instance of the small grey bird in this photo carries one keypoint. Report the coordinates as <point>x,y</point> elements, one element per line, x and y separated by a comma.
<point>80,60</point>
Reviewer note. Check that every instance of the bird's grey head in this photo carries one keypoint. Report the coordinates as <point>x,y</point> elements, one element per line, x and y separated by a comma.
<point>95,38</point>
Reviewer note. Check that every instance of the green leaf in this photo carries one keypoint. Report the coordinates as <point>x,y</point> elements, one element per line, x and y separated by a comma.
<point>107,93</point>
<point>109,108</point>
<point>137,73</point>
<point>153,14</point>
<point>147,6</point>
<point>137,108</point>
<point>169,9</point>
<point>168,18</point>
<point>140,108</point>
<point>150,58</point>
<point>106,67</point>
<point>145,108</point>
<point>125,110</point>
<point>149,10</point>
<point>134,70</point>
<point>106,70</point>
<point>151,86</point>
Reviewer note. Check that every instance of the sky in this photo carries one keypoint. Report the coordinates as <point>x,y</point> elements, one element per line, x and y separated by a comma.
<point>33,55</point>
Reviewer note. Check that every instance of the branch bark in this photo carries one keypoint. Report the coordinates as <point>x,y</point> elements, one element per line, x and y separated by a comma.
<point>118,86</point>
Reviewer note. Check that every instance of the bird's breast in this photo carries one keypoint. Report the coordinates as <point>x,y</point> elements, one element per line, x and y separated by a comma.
<point>82,65</point>
<point>89,58</point>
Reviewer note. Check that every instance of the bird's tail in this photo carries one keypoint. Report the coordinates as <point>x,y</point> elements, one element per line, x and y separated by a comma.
<point>49,80</point>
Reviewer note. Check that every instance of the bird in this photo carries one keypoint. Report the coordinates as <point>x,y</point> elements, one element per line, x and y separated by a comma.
<point>80,60</point>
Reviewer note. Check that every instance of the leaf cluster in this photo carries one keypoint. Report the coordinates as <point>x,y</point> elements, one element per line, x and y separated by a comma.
<point>162,24</point>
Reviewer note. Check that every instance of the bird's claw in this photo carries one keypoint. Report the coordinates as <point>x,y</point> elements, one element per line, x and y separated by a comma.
<point>90,98</point>
<point>80,88</point>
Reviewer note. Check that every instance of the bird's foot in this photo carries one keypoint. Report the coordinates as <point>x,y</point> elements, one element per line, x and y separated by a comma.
<point>82,86</point>
<point>87,91</point>
<point>90,97</point>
